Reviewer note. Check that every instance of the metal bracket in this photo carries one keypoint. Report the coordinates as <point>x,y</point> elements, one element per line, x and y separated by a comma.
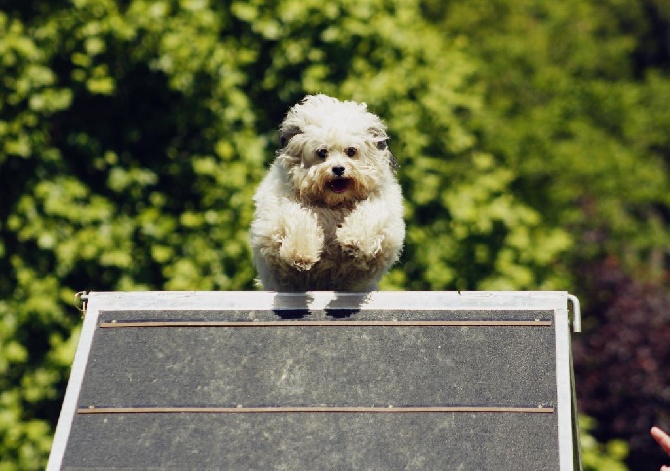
<point>576,313</point>
<point>81,302</point>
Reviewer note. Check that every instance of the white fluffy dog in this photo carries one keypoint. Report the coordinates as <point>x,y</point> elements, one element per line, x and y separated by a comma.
<point>329,213</point>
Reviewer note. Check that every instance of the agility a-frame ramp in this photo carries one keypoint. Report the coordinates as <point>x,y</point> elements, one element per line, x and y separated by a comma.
<point>322,380</point>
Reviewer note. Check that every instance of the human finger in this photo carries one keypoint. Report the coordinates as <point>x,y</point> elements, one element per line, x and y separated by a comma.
<point>662,439</point>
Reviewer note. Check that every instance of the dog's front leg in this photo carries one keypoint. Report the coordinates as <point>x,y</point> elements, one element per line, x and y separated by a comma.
<point>302,239</point>
<point>374,229</point>
<point>293,237</point>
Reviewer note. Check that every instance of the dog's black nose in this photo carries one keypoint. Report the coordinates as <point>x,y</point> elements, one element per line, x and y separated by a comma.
<point>338,171</point>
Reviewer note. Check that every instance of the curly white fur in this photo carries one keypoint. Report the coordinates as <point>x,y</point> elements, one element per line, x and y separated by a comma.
<point>329,211</point>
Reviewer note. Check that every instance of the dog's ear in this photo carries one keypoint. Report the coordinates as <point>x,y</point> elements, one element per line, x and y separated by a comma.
<point>382,143</point>
<point>393,162</point>
<point>287,134</point>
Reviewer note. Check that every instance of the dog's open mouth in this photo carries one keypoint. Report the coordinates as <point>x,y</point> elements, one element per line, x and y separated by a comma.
<point>339,185</point>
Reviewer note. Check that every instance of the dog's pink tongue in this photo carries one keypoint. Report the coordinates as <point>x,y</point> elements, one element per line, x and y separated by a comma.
<point>339,186</point>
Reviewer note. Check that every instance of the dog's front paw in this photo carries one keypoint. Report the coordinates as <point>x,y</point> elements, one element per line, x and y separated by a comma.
<point>350,250</point>
<point>302,264</point>
<point>299,256</point>
<point>356,246</point>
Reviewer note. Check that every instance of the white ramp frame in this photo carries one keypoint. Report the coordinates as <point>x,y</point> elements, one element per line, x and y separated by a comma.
<point>377,300</point>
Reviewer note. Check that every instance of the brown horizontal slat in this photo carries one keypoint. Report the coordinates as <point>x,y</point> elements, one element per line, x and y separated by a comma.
<point>320,409</point>
<point>462,323</point>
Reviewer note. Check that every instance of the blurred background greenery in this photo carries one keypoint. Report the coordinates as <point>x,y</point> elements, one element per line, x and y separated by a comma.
<point>533,138</point>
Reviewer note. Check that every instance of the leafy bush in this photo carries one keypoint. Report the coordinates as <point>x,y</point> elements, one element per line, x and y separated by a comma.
<point>622,364</point>
<point>596,456</point>
<point>133,133</point>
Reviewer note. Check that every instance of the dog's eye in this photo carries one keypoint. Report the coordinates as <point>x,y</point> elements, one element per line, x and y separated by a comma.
<point>322,153</point>
<point>350,151</point>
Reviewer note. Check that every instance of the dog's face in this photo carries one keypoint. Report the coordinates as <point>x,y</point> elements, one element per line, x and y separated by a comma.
<point>334,152</point>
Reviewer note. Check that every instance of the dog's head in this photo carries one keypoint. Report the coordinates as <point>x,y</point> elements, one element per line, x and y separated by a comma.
<point>334,152</point>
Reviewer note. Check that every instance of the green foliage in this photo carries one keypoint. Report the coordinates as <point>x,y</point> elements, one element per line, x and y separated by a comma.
<point>128,148</point>
<point>578,113</point>
<point>596,456</point>
<point>133,134</point>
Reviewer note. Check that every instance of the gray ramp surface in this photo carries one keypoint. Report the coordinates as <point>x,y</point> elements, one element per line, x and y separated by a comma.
<point>306,388</point>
